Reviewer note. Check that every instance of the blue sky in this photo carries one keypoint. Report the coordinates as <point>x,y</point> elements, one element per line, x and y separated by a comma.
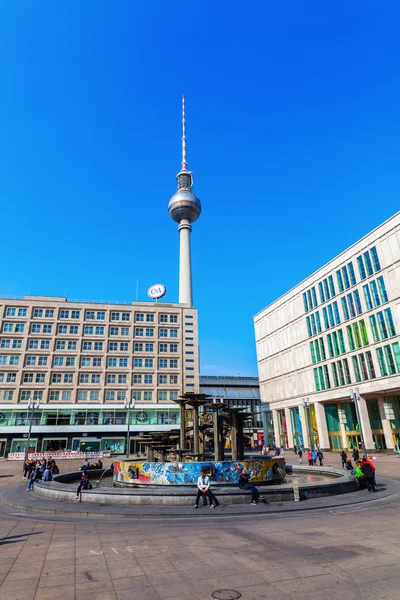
<point>293,137</point>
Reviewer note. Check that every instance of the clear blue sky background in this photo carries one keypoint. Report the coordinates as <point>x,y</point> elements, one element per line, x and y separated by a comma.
<point>293,137</point>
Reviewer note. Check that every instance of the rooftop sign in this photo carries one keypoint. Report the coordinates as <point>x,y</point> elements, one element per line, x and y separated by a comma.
<point>157,291</point>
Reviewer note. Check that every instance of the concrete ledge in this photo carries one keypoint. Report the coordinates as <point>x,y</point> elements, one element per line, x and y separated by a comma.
<point>341,483</point>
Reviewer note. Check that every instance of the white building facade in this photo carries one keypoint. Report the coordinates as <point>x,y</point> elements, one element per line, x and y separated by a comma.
<point>337,331</point>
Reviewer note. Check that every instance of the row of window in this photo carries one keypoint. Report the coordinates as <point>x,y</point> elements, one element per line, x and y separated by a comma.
<point>363,366</point>
<point>89,395</point>
<point>111,378</point>
<point>382,327</point>
<point>9,327</point>
<point>368,264</point>
<point>91,361</point>
<point>90,315</point>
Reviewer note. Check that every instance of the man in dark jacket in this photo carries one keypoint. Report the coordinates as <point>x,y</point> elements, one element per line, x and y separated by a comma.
<point>343,456</point>
<point>356,454</point>
<point>245,485</point>
<point>320,457</point>
<point>368,471</point>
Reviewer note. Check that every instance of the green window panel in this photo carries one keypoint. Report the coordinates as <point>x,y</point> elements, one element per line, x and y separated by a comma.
<point>374,328</point>
<point>325,315</point>
<point>368,263</point>
<point>313,324</point>
<point>331,316</point>
<point>309,326</point>
<point>375,294</point>
<point>370,365</point>
<point>357,335</point>
<point>335,375</point>
<point>345,309</point>
<point>374,414</point>
<point>330,345</point>
<point>351,417</point>
<point>341,341</point>
<point>346,278</point>
<point>346,371</point>
<point>340,372</point>
<point>309,299</point>
<point>356,369</point>
<point>340,280</point>
<point>396,352</point>
<point>322,346</point>
<point>364,333</point>
<point>390,322</point>
<point>382,289</point>
<point>321,378</point>
<point>321,292</point>
<point>326,289</point>
<point>316,379</point>
<point>381,361</point>
<point>351,305</point>
<point>350,337</point>
<point>327,380</point>
<point>352,273</point>
<point>361,268</point>
<point>313,359</point>
<point>357,301</point>
<point>336,343</point>
<point>331,286</point>
<point>367,295</point>
<point>390,360</point>
<point>363,367</point>
<point>382,325</point>
<point>305,302</point>
<point>332,417</point>
<point>317,352</point>
<point>336,311</point>
<point>314,297</point>
<point>375,259</point>
<point>319,328</point>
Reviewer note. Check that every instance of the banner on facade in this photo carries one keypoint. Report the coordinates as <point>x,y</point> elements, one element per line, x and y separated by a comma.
<point>58,455</point>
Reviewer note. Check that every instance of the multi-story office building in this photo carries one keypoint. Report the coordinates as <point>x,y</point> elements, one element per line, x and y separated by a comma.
<point>336,331</point>
<point>83,361</point>
<point>238,392</point>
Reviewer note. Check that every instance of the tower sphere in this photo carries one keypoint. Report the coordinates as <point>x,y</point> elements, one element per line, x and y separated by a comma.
<point>184,204</point>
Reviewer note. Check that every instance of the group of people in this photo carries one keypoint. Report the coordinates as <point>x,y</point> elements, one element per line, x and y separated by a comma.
<point>204,491</point>
<point>39,470</point>
<point>363,469</point>
<point>312,456</point>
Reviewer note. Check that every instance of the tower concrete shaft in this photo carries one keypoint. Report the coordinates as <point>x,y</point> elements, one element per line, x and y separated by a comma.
<point>185,264</point>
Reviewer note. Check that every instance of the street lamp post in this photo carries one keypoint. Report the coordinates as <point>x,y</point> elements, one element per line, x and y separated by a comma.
<point>355,396</point>
<point>129,404</point>
<point>306,405</point>
<point>32,406</point>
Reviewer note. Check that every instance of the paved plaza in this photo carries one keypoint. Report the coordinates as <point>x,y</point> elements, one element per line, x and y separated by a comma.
<point>348,552</point>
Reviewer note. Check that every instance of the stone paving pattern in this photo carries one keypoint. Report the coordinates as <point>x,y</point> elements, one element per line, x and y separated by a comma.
<point>349,553</point>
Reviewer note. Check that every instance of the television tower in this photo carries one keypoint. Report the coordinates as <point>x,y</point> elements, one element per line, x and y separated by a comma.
<point>184,207</point>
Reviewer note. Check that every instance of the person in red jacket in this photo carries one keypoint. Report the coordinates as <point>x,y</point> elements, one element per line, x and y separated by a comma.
<point>310,458</point>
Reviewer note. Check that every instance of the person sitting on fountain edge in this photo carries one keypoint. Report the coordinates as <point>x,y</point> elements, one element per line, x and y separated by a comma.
<point>245,485</point>
<point>203,483</point>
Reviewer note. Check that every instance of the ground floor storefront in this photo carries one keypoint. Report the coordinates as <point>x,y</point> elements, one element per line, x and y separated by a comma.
<point>334,425</point>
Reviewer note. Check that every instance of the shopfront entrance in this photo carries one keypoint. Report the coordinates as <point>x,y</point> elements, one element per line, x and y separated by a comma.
<point>3,444</point>
<point>353,441</point>
<point>335,442</point>
<point>54,445</point>
<point>86,444</point>
<point>19,444</point>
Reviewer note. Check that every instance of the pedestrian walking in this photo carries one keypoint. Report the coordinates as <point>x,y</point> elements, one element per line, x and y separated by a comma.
<point>36,475</point>
<point>83,484</point>
<point>373,469</point>
<point>366,468</point>
<point>300,455</point>
<point>348,465</point>
<point>203,484</point>
<point>245,484</point>
<point>310,458</point>
<point>359,475</point>
<point>314,458</point>
<point>295,449</point>
<point>343,456</point>
<point>282,449</point>
<point>320,457</point>
<point>27,468</point>
<point>356,454</point>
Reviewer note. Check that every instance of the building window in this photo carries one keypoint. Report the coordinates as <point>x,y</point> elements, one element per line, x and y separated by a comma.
<point>163,318</point>
<point>99,330</point>
<point>11,312</point>
<point>174,347</point>
<point>162,363</point>
<point>163,333</point>
<point>95,378</point>
<point>382,290</point>
<point>56,378</point>
<point>112,346</point>
<point>71,345</point>
<point>149,347</point>
<point>97,362</point>
<point>162,379</point>
<point>123,362</point>
<point>124,330</point>
<point>163,347</point>
<point>139,317</point>
<point>173,379</point>
<point>174,334</point>
<point>173,363</point>
<point>84,378</point>
<point>149,332</point>
<point>305,302</point>
<point>68,377</point>
<point>137,362</point>
<point>111,362</point>
<point>58,361</point>
<point>126,316</point>
<point>111,377</point>
<point>375,259</point>
<point>90,315</point>
<point>122,378</point>
<point>137,396</point>
<point>64,314</point>
<point>42,362</point>
<point>345,309</point>
<point>139,331</point>
<point>162,396</point>
<point>115,316</point>
<point>174,318</point>
<point>147,396</point>
<point>148,378</point>
<point>137,379</point>
<point>138,347</point>
<point>114,330</point>
<point>75,314</point>
<point>361,268</point>
<point>357,301</point>
<point>86,345</point>
<point>123,346</point>
<point>98,346</point>
<point>352,274</point>
<point>367,295</point>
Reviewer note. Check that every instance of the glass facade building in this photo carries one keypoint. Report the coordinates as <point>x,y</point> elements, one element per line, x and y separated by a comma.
<point>337,330</point>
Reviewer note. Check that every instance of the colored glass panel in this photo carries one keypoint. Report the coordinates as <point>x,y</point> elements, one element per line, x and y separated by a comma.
<point>312,352</point>
<point>316,380</point>
<point>381,361</point>
<point>331,286</point>
<point>375,259</point>
<point>382,325</point>
<point>350,303</point>
<point>331,316</point>
<point>368,263</point>
<point>370,365</point>
<point>357,335</point>
<point>356,369</point>
<point>313,324</point>
<point>340,372</point>
<point>317,352</point>
<point>340,280</point>
<point>396,352</point>
<point>321,292</point>
<point>357,301</point>
<point>319,328</point>
<point>364,334</point>
<point>352,273</point>
<point>332,417</point>
<point>346,371</point>
<point>374,327</point>
<point>309,299</point>
<point>361,268</point>
<point>350,337</point>
<point>321,378</point>
<point>390,322</point>
<point>375,293</point>
<point>336,311</point>
<point>309,327</point>
<point>325,315</point>
<point>305,302</point>
<point>341,341</point>
<point>335,343</point>
<point>390,360</point>
<point>330,345</point>
<point>322,346</point>
<point>363,367</point>
<point>382,289</point>
<point>314,297</point>
<point>335,375</point>
<point>368,299</point>
<point>327,380</point>
<point>326,289</point>
<point>345,309</point>
<point>346,278</point>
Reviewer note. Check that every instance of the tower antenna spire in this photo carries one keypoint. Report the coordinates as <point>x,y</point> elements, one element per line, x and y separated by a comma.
<point>184,162</point>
